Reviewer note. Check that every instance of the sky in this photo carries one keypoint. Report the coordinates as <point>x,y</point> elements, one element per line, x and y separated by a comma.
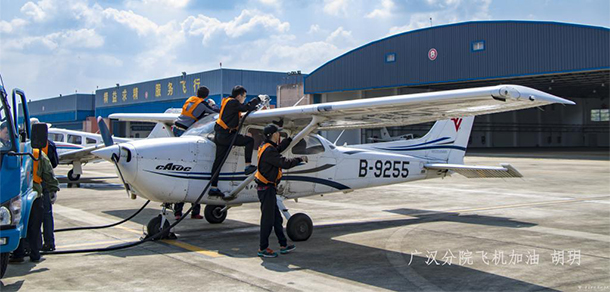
<point>53,47</point>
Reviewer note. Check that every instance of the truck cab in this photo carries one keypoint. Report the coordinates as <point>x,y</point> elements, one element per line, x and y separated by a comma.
<point>16,162</point>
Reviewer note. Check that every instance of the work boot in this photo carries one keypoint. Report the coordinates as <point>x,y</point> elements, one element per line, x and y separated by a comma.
<point>196,216</point>
<point>14,260</point>
<point>250,169</point>
<point>287,249</point>
<point>267,253</point>
<point>48,247</point>
<point>38,260</point>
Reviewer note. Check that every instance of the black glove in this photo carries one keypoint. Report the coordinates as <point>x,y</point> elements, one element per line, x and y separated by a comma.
<point>279,123</point>
<point>253,103</point>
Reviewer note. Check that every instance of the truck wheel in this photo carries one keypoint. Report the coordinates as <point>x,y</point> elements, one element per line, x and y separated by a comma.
<point>3,263</point>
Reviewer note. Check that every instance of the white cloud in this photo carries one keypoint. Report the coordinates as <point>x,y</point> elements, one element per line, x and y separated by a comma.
<point>34,11</point>
<point>387,6</point>
<point>9,27</point>
<point>314,28</point>
<point>142,25</point>
<point>304,57</point>
<point>340,36</point>
<point>336,7</point>
<point>247,22</point>
<point>69,39</point>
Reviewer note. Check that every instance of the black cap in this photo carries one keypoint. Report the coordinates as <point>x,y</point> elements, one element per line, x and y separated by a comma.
<point>271,129</point>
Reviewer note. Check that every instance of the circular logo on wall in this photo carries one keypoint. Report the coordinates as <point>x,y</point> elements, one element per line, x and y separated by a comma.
<point>432,54</point>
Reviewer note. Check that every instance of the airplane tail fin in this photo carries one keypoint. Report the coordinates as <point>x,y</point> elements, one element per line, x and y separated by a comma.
<point>446,141</point>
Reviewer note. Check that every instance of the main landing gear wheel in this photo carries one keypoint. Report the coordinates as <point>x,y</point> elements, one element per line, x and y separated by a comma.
<point>154,226</point>
<point>214,214</point>
<point>73,177</point>
<point>299,227</point>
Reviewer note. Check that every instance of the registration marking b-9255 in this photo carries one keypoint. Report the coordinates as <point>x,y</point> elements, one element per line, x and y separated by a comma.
<point>384,168</point>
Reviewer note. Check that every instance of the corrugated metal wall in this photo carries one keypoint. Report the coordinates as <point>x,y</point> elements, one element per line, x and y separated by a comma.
<point>511,48</point>
<point>173,91</point>
<point>71,109</point>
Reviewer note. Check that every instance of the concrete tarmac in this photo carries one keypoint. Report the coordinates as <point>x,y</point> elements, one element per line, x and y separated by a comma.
<point>547,231</point>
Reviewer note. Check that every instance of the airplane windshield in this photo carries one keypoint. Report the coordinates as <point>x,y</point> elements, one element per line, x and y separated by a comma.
<point>203,127</point>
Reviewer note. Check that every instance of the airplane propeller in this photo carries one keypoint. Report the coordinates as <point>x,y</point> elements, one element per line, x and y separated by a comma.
<point>106,137</point>
<point>110,151</point>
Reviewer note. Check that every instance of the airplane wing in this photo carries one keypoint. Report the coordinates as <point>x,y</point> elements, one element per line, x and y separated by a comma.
<point>388,111</point>
<point>83,155</point>
<point>164,118</point>
<point>409,109</point>
<point>469,171</point>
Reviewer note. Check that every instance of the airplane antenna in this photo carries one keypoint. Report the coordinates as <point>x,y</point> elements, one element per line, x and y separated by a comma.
<point>300,100</point>
<point>339,137</point>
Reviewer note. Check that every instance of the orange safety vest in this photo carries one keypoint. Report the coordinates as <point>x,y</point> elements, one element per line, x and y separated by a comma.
<point>222,109</point>
<point>193,101</point>
<point>259,175</point>
<point>36,153</point>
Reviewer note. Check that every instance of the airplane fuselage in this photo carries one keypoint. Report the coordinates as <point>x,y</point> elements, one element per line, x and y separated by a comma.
<point>177,170</point>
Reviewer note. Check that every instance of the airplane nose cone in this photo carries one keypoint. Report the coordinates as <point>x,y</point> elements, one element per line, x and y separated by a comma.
<point>106,152</point>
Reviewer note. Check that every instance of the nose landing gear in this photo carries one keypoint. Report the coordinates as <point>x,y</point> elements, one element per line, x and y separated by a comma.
<point>160,223</point>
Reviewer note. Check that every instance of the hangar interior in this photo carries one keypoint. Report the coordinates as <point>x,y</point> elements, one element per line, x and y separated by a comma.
<point>567,60</point>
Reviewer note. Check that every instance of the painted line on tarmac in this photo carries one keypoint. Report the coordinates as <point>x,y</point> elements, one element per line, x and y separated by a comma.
<point>192,248</point>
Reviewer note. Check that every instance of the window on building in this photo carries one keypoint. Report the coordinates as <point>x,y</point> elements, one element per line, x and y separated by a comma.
<point>391,57</point>
<point>478,46</point>
<point>75,139</point>
<point>600,115</point>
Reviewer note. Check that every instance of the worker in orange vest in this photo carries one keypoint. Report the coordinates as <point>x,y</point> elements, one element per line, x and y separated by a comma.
<point>194,109</point>
<point>226,129</point>
<point>42,173</point>
<point>270,165</point>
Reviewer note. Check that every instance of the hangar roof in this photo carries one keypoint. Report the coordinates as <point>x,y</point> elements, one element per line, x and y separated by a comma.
<point>477,53</point>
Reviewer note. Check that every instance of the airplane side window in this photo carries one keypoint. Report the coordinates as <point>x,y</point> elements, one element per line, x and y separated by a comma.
<point>56,137</point>
<point>91,141</point>
<point>308,146</point>
<point>74,139</point>
<point>257,135</point>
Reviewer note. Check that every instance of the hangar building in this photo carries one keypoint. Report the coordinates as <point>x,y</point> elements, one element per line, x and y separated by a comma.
<point>567,60</point>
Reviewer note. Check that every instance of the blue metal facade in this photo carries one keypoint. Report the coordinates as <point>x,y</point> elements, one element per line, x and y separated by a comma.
<point>68,111</point>
<point>511,48</point>
<point>159,95</point>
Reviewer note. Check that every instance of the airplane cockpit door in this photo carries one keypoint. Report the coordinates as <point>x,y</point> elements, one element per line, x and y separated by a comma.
<point>312,177</point>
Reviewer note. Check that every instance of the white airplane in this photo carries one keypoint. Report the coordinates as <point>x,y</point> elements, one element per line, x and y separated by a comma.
<point>74,148</point>
<point>386,137</point>
<point>173,169</point>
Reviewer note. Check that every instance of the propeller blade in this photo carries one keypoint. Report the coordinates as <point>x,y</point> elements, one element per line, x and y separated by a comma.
<point>104,132</point>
